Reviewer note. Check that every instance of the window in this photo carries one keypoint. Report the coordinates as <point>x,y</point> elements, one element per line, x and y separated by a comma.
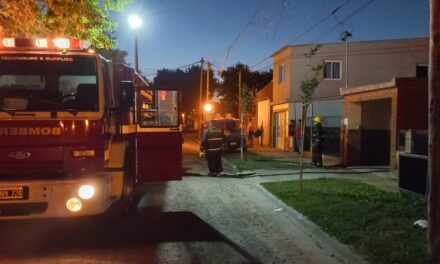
<point>332,70</point>
<point>158,108</point>
<point>422,70</point>
<point>281,73</point>
<point>48,83</point>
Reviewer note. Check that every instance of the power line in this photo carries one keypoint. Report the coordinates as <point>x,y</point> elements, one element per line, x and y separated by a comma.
<point>334,11</point>
<point>234,41</point>
<point>345,19</point>
<point>320,21</point>
<point>173,68</point>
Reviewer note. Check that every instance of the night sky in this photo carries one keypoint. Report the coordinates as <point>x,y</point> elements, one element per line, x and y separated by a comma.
<point>180,32</point>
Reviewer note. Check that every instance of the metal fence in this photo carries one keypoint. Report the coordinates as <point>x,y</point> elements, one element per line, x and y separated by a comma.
<point>332,130</point>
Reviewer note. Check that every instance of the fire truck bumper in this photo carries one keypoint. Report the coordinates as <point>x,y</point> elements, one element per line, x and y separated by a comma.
<point>59,198</point>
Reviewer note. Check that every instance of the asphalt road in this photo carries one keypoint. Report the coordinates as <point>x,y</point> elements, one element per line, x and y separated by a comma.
<point>197,220</point>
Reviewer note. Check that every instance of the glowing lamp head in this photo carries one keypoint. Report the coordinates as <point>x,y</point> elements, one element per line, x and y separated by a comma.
<point>62,43</point>
<point>207,107</point>
<point>41,43</point>
<point>86,192</point>
<point>8,42</point>
<point>134,21</point>
<point>74,205</point>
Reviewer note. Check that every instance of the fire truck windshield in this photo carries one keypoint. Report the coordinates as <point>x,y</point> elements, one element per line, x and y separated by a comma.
<point>51,83</point>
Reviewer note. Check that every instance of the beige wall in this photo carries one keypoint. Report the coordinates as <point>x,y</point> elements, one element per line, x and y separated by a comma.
<point>368,62</point>
<point>282,91</point>
<point>263,117</point>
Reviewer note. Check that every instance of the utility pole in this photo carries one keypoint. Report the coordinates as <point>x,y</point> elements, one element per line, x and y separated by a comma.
<point>136,59</point>
<point>240,108</point>
<point>345,37</point>
<point>208,69</point>
<point>200,93</point>
<point>434,135</point>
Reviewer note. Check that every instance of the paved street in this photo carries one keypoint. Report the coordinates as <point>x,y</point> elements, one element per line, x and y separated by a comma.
<point>198,220</point>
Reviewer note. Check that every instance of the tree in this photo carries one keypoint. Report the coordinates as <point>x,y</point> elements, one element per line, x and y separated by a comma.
<point>228,88</point>
<point>248,97</point>
<point>85,19</point>
<point>115,55</point>
<point>187,81</point>
<point>308,87</point>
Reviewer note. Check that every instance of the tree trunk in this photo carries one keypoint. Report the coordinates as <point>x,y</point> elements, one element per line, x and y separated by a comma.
<point>303,116</point>
<point>434,137</point>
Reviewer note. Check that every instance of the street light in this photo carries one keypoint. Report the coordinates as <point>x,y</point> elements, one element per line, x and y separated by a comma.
<point>207,107</point>
<point>135,22</point>
<point>208,110</point>
<point>345,36</point>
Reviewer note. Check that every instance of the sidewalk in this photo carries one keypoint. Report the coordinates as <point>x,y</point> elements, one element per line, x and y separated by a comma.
<point>380,177</point>
<point>281,155</point>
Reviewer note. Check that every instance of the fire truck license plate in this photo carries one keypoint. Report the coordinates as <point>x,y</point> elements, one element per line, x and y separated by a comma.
<point>11,193</point>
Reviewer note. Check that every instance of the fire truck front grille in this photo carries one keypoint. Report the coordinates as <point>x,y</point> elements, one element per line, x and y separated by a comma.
<point>22,209</point>
<point>31,176</point>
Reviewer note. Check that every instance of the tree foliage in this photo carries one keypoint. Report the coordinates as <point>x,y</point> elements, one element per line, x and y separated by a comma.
<point>188,82</point>
<point>115,55</point>
<point>228,88</point>
<point>248,95</point>
<point>84,19</point>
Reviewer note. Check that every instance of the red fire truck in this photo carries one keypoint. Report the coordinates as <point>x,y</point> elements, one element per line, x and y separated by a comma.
<point>79,134</point>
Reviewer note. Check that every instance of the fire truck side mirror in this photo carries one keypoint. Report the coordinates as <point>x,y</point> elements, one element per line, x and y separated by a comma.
<point>126,100</point>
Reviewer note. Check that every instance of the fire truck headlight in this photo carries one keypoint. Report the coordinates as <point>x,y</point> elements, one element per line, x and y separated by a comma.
<point>86,192</point>
<point>74,204</point>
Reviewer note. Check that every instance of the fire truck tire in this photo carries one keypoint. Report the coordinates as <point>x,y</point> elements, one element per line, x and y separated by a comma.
<point>127,205</point>
<point>129,199</point>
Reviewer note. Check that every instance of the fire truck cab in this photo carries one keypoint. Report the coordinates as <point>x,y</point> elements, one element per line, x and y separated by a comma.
<point>78,133</point>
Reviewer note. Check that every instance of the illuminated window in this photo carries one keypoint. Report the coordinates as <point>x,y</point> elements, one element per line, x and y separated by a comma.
<point>158,108</point>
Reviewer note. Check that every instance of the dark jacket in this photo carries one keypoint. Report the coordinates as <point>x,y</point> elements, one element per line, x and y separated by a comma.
<point>318,134</point>
<point>212,139</point>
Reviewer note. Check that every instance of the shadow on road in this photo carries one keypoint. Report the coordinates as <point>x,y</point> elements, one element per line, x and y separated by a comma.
<point>148,231</point>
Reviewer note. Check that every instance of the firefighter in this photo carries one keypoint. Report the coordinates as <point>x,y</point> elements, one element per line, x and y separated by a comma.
<point>318,140</point>
<point>212,145</point>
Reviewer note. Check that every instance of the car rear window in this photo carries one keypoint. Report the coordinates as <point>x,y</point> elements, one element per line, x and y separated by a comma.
<point>226,124</point>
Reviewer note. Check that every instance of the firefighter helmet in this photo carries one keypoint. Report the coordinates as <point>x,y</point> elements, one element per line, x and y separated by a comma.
<point>317,119</point>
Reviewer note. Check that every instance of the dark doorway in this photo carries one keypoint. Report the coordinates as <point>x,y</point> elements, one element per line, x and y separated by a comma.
<point>376,133</point>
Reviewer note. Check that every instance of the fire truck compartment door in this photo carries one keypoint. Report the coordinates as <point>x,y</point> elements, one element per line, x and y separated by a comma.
<point>159,156</point>
<point>158,136</point>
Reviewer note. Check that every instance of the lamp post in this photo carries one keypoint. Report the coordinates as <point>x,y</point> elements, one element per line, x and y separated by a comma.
<point>345,36</point>
<point>135,22</point>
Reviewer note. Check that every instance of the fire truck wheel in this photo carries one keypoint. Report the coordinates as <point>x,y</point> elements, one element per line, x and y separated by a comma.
<point>127,205</point>
<point>129,200</point>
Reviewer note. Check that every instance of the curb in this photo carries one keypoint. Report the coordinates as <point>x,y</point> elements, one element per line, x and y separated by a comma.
<point>345,254</point>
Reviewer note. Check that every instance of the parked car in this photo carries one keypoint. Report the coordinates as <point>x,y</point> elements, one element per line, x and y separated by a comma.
<point>231,130</point>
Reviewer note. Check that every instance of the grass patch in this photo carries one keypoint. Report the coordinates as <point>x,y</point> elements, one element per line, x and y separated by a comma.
<point>255,161</point>
<point>376,223</point>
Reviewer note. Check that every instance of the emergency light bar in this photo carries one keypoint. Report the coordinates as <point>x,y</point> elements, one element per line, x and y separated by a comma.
<point>44,43</point>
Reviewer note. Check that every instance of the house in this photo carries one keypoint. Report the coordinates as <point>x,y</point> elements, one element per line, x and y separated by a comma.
<point>377,117</point>
<point>345,66</point>
<point>264,98</point>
